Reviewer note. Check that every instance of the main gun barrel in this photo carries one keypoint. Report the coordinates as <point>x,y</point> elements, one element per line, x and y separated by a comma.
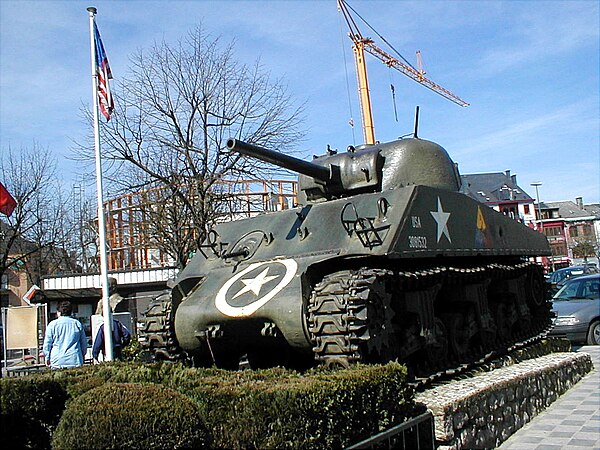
<point>279,159</point>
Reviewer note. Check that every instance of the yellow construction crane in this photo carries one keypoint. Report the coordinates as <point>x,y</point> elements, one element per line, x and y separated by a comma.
<point>362,44</point>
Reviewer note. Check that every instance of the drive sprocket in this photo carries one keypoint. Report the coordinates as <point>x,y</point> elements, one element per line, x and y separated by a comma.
<point>157,332</point>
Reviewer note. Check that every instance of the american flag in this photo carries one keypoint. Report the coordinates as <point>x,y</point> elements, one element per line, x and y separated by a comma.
<point>104,74</point>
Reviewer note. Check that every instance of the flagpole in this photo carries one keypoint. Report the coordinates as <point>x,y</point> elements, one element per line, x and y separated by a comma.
<point>108,347</point>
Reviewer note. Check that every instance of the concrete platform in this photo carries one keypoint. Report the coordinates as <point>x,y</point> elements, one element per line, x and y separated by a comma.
<point>484,410</point>
<point>572,422</point>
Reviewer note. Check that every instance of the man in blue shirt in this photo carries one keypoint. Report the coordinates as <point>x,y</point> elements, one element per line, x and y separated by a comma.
<point>65,343</point>
<point>121,338</point>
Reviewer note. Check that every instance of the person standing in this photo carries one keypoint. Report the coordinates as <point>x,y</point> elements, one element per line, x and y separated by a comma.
<point>121,338</point>
<point>65,342</point>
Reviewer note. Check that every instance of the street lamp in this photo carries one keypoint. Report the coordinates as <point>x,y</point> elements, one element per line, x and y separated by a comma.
<point>537,184</point>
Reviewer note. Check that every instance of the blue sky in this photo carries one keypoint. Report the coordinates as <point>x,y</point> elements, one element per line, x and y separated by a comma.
<point>529,69</point>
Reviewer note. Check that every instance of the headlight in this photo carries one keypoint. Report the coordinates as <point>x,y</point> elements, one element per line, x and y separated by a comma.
<point>565,321</point>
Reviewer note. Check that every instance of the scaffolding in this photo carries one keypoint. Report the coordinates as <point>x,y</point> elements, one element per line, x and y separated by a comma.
<point>129,241</point>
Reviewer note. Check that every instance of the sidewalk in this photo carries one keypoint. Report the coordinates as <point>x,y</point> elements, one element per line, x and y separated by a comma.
<point>572,422</point>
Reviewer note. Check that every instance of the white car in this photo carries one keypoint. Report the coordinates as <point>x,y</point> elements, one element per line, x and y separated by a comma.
<point>577,309</point>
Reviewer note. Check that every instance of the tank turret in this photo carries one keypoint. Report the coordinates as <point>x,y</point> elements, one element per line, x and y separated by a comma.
<point>370,168</point>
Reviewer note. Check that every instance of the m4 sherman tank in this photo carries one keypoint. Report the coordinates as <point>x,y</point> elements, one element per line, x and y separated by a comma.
<point>384,258</point>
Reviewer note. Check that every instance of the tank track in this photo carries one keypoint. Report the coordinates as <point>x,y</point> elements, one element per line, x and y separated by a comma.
<point>339,320</point>
<point>353,316</point>
<point>158,330</point>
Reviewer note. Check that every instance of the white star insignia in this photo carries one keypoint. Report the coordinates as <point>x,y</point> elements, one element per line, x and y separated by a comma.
<point>441,219</point>
<point>255,284</point>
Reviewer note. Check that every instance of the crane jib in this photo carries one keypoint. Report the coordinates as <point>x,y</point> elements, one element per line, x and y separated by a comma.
<point>365,44</point>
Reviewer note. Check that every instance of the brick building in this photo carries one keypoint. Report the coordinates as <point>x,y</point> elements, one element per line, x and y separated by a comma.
<point>567,224</point>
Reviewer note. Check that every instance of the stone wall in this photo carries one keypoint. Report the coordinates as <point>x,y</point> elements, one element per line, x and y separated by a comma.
<point>484,410</point>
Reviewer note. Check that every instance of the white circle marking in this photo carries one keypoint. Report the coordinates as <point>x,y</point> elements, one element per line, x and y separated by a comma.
<point>221,304</point>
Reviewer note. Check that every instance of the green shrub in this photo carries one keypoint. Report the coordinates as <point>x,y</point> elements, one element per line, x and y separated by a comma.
<point>272,408</point>
<point>130,416</point>
<point>320,409</point>
<point>133,351</point>
<point>31,410</point>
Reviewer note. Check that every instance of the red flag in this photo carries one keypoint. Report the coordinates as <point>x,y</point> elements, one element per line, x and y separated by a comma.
<point>7,202</point>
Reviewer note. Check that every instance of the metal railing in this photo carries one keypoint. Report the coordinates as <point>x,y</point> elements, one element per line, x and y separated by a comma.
<point>417,433</point>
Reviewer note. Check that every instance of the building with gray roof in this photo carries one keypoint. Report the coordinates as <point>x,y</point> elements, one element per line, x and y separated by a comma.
<point>500,191</point>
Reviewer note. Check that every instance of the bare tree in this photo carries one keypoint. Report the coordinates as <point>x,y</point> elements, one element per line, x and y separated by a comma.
<point>82,216</point>
<point>175,111</point>
<point>35,238</point>
<point>585,248</point>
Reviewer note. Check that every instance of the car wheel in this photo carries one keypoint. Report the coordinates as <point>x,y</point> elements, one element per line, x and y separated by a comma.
<point>593,337</point>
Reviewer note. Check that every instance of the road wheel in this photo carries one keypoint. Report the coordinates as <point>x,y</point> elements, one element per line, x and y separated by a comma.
<point>536,287</point>
<point>437,352</point>
<point>593,337</point>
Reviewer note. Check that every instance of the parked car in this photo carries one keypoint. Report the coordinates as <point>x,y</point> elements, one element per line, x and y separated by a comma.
<point>559,277</point>
<point>577,309</point>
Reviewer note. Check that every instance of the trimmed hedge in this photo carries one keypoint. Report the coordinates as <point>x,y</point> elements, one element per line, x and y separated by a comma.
<point>322,409</point>
<point>31,409</point>
<point>130,416</point>
<point>273,408</point>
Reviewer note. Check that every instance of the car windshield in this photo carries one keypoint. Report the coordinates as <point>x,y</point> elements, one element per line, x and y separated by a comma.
<point>556,277</point>
<point>579,289</point>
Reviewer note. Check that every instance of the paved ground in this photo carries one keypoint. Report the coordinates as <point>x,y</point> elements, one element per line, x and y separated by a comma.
<point>570,423</point>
